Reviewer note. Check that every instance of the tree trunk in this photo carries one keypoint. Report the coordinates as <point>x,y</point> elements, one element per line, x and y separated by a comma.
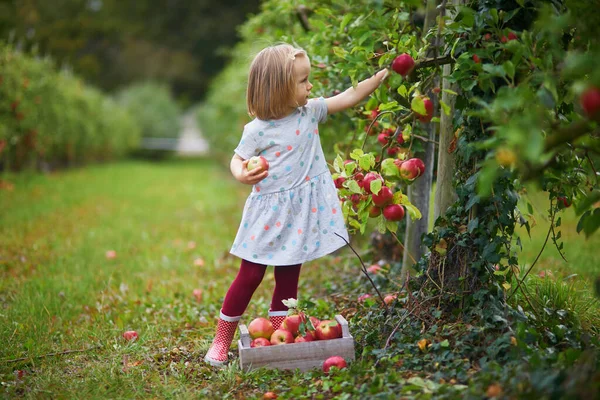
<point>420,191</point>
<point>445,194</point>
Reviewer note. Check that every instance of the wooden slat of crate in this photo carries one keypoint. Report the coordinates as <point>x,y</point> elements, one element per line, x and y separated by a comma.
<point>302,356</point>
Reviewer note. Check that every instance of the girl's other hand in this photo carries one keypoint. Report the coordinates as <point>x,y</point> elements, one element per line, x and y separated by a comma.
<point>251,177</point>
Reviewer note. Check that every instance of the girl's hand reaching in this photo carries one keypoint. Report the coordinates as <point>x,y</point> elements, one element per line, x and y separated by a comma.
<point>239,169</point>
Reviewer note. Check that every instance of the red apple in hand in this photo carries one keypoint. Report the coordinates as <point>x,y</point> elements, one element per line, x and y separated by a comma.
<point>292,323</point>
<point>403,64</point>
<point>328,329</point>
<point>258,162</point>
<point>393,212</point>
<point>130,335</point>
<point>384,197</point>
<point>590,102</point>
<point>335,361</point>
<point>281,336</point>
<point>260,327</point>
<point>260,342</point>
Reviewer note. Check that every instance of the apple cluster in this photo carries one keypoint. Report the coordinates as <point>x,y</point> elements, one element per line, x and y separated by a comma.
<point>381,198</point>
<point>295,328</point>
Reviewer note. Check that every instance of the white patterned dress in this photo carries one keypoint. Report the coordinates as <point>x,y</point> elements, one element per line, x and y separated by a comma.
<point>293,215</point>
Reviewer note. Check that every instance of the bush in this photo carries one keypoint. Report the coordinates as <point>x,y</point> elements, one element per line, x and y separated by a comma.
<point>52,118</point>
<point>154,108</point>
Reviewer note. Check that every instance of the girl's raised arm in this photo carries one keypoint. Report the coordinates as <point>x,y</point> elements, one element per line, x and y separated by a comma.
<point>353,96</point>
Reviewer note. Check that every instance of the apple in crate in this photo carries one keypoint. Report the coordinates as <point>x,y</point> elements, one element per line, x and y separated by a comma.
<point>257,162</point>
<point>260,342</point>
<point>309,337</point>
<point>260,327</point>
<point>292,323</point>
<point>334,361</point>
<point>281,336</point>
<point>328,329</point>
<point>315,322</point>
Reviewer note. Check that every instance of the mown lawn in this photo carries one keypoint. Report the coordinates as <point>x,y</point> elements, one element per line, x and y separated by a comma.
<point>170,225</point>
<point>65,302</point>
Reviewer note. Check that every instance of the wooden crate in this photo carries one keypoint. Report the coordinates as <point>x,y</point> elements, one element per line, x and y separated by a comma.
<point>303,356</point>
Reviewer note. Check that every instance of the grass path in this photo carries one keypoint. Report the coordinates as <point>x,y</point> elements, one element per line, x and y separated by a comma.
<point>170,225</point>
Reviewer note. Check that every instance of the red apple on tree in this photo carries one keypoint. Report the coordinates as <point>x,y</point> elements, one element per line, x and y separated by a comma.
<point>282,336</point>
<point>339,182</point>
<point>374,212</point>
<point>393,212</point>
<point>403,64</point>
<point>260,342</point>
<point>260,327</point>
<point>257,162</point>
<point>428,111</point>
<point>383,138</point>
<point>563,201</point>
<point>590,102</point>
<point>412,169</point>
<point>370,177</point>
<point>384,197</point>
<point>335,361</point>
<point>328,329</point>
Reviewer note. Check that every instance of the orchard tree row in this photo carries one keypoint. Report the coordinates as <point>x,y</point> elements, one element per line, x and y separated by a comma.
<point>485,97</point>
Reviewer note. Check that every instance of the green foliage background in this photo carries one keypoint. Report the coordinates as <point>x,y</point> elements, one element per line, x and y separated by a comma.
<point>52,118</point>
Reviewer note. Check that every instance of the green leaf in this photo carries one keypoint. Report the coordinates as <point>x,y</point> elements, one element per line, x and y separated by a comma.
<point>345,21</point>
<point>584,204</point>
<point>452,92</point>
<point>338,164</point>
<point>412,211</point>
<point>381,224</point>
<point>376,186</point>
<point>391,226</point>
<point>402,91</point>
<point>356,154</point>
<point>339,52</point>
<point>366,161</point>
<point>392,105</point>
<point>445,107</point>
<point>473,224</point>
<point>388,168</point>
<point>445,343</point>
<point>350,168</point>
<point>353,186</point>
<point>509,68</point>
<point>494,70</point>
<point>418,106</point>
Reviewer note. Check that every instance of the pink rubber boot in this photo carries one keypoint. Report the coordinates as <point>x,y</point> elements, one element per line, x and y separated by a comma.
<point>217,354</point>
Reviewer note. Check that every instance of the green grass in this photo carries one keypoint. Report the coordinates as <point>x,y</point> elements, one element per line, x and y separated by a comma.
<point>59,292</point>
<point>582,254</point>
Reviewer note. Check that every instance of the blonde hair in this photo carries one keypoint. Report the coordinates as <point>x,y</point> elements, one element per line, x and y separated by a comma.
<point>271,81</point>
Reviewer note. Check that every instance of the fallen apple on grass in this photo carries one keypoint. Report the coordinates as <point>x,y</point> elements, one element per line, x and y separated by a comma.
<point>130,335</point>
<point>257,162</point>
<point>390,298</point>
<point>197,293</point>
<point>281,336</point>
<point>260,327</point>
<point>334,361</point>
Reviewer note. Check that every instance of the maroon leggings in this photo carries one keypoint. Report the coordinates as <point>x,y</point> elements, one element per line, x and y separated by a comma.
<point>247,280</point>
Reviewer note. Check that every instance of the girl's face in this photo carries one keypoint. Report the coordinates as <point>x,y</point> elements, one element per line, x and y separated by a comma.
<point>303,86</point>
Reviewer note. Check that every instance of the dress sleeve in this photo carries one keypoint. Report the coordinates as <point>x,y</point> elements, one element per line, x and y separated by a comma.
<point>247,147</point>
<point>319,107</point>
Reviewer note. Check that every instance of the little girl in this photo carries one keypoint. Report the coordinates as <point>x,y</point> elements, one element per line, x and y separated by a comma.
<point>293,213</point>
